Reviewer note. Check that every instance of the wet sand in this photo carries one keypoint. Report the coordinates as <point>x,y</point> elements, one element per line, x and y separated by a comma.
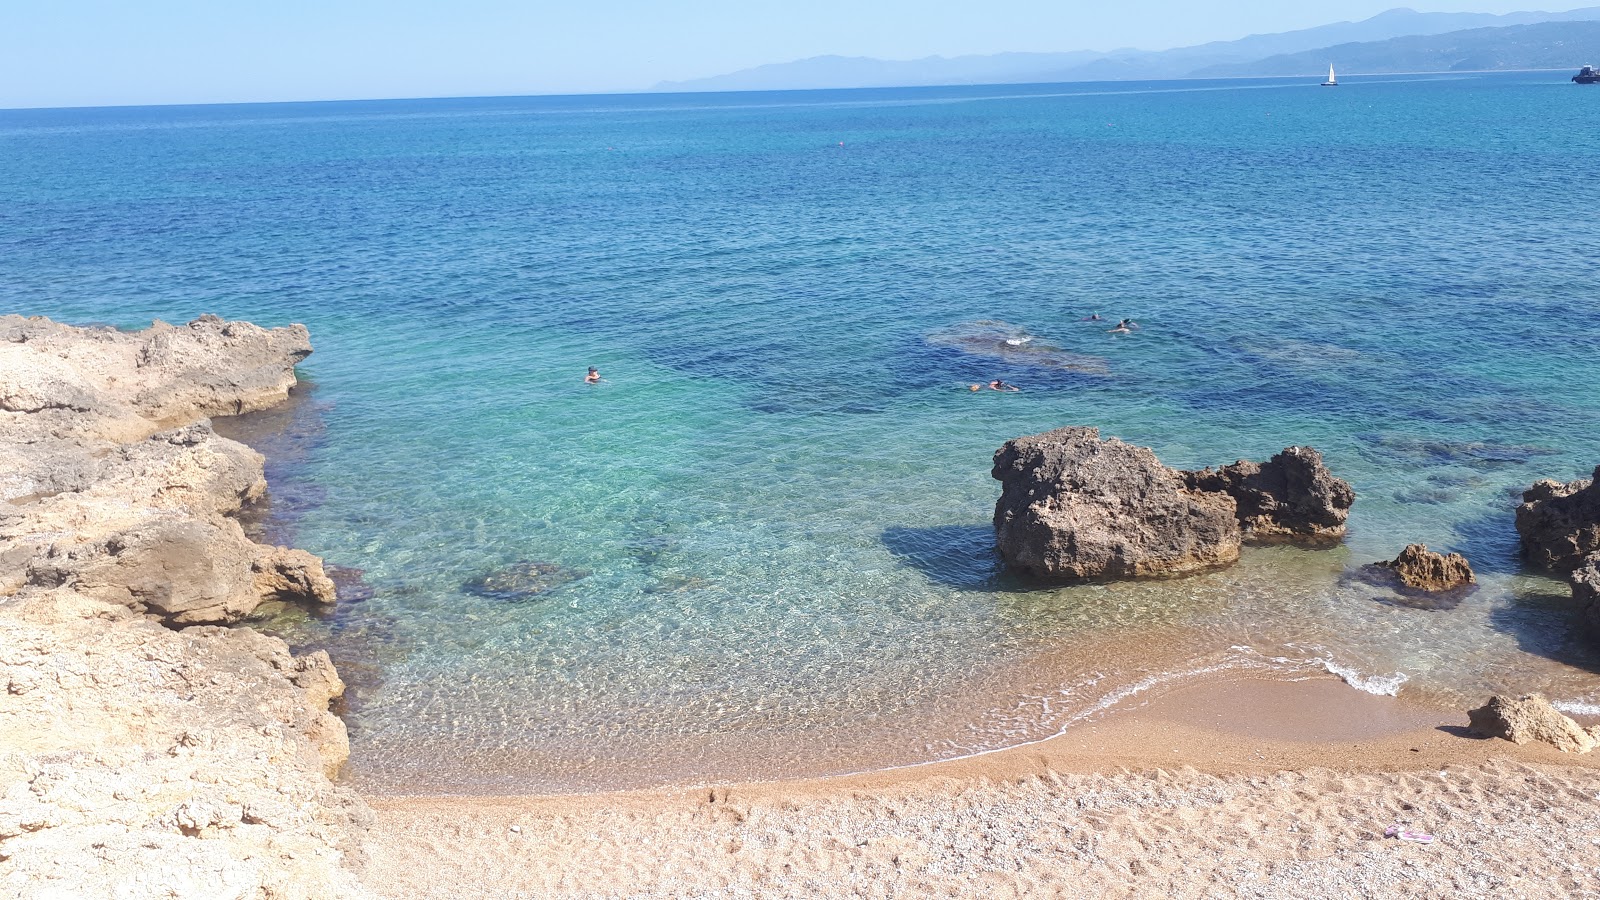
<point>1219,788</point>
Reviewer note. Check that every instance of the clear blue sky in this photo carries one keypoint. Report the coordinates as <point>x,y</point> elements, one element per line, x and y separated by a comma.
<point>109,52</point>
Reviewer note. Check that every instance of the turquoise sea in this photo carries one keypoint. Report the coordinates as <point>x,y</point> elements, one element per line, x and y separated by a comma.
<point>779,499</point>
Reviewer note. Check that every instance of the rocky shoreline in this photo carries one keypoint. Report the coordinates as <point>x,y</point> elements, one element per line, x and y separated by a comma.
<point>152,746</point>
<point>145,750</point>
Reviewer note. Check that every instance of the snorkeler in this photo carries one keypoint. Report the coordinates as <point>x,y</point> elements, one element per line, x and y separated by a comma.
<point>593,377</point>
<point>998,385</point>
<point>1093,318</point>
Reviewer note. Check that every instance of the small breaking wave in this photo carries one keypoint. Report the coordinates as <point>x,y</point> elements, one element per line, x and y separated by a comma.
<point>1382,685</point>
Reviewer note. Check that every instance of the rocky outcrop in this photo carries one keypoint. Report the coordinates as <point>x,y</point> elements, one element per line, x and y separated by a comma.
<point>1074,505</point>
<point>109,502</point>
<point>1421,569</point>
<point>1560,523</point>
<point>1532,718</point>
<point>136,759</point>
<point>1291,495</point>
<point>283,573</point>
<point>1586,589</point>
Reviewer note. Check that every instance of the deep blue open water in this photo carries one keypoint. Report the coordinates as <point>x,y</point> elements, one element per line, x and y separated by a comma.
<point>779,499</point>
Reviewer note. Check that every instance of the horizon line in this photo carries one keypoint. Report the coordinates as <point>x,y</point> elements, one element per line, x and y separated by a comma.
<point>652,92</point>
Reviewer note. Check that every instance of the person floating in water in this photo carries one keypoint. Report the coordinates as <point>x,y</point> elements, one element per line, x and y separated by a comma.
<point>1093,318</point>
<point>593,377</point>
<point>995,385</point>
<point>1126,326</point>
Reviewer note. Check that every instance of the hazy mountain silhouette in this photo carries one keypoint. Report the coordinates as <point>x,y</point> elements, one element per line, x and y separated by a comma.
<point>1086,65</point>
<point>1548,45</point>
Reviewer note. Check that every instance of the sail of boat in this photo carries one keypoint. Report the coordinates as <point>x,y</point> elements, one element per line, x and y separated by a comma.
<point>1333,80</point>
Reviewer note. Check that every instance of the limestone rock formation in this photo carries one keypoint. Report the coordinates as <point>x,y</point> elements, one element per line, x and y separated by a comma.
<point>110,501</point>
<point>1074,505</point>
<point>1560,523</point>
<point>1586,589</point>
<point>1290,495</point>
<point>135,759</point>
<point>1532,718</point>
<point>1424,570</point>
<point>283,573</point>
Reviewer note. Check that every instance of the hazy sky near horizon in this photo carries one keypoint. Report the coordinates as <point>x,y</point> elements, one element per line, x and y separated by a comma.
<point>115,52</point>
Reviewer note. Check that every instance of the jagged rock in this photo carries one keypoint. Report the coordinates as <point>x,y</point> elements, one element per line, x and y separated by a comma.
<point>138,759</point>
<point>1560,523</point>
<point>522,580</point>
<point>1532,718</point>
<point>1586,589</point>
<point>282,573</point>
<point>1073,505</point>
<point>1424,570</point>
<point>1290,495</point>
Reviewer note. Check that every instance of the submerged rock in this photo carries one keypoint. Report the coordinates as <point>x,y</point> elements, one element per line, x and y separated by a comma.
<point>1290,495</point>
<point>1560,523</point>
<point>1074,505</point>
<point>1532,718</point>
<point>349,583</point>
<point>522,580</point>
<point>1422,569</point>
<point>1014,345</point>
<point>1431,451</point>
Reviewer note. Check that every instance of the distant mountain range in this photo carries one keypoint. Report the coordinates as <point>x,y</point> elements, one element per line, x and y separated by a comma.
<point>1548,45</point>
<point>1399,33</point>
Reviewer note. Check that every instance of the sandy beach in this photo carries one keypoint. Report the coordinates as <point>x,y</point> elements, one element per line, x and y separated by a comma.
<point>1218,789</point>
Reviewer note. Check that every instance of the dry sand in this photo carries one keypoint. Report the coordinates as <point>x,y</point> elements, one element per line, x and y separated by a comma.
<point>1221,789</point>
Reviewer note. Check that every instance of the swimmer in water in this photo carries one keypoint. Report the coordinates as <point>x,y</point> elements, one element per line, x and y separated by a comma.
<point>1120,329</point>
<point>1093,318</point>
<point>593,377</point>
<point>998,385</point>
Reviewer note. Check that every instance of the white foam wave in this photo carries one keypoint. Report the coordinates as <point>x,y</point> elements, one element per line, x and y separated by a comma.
<point>1577,707</point>
<point>1382,685</point>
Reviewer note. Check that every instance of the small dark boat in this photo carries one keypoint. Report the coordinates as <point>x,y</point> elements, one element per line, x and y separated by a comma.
<point>1587,75</point>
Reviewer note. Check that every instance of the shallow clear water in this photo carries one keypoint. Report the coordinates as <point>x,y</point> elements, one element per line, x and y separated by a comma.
<point>779,500</point>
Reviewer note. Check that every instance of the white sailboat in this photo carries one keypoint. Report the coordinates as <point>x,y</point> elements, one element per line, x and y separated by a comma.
<point>1333,80</point>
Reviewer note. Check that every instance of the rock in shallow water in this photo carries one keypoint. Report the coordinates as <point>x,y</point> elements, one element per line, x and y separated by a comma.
<point>1074,505</point>
<point>1560,523</point>
<point>522,580</point>
<point>1290,495</point>
<point>1424,570</point>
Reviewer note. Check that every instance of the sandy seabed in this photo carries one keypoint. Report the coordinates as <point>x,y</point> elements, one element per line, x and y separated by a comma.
<point>1225,789</point>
